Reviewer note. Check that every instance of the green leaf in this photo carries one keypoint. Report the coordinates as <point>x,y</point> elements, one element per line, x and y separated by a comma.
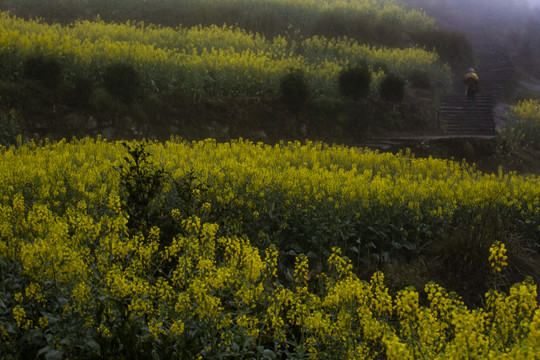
<point>268,354</point>
<point>292,253</point>
<point>288,276</point>
<point>92,344</point>
<point>65,342</point>
<point>54,354</point>
<point>51,353</point>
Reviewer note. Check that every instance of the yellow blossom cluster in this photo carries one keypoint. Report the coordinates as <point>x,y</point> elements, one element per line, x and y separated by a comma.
<point>497,256</point>
<point>210,292</point>
<point>200,60</point>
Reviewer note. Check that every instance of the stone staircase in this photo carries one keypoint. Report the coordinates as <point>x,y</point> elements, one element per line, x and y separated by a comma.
<point>496,73</point>
<point>457,119</point>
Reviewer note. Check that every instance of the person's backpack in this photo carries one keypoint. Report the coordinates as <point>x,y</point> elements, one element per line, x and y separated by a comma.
<point>472,80</point>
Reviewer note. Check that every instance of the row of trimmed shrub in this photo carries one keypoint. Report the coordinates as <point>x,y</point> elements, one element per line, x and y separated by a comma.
<point>353,82</point>
<point>122,80</point>
<point>119,79</point>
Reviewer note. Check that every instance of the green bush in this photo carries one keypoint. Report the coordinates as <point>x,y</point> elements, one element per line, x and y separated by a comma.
<point>392,88</point>
<point>10,127</point>
<point>45,69</point>
<point>294,90</point>
<point>420,79</point>
<point>9,66</point>
<point>122,81</point>
<point>521,134</point>
<point>107,106</point>
<point>82,90</point>
<point>140,182</point>
<point>354,82</point>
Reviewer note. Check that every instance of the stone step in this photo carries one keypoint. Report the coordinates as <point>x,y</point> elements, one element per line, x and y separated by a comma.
<point>472,116</point>
<point>471,134</point>
<point>469,114</point>
<point>458,122</point>
<point>465,107</point>
<point>470,123</point>
<point>470,127</point>
<point>468,131</point>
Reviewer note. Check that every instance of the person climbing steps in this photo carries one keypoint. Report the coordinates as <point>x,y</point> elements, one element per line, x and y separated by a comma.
<point>471,82</point>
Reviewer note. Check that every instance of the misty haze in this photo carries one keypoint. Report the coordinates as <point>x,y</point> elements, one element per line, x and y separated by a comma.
<point>269,179</point>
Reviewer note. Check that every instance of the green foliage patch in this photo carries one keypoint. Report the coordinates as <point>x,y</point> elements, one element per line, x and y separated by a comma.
<point>354,82</point>
<point>392,88</point>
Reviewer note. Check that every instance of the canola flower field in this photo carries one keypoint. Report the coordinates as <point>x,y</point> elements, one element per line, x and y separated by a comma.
<point>298,13</point>
<point>177,249</point>
<point>202,61</point>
